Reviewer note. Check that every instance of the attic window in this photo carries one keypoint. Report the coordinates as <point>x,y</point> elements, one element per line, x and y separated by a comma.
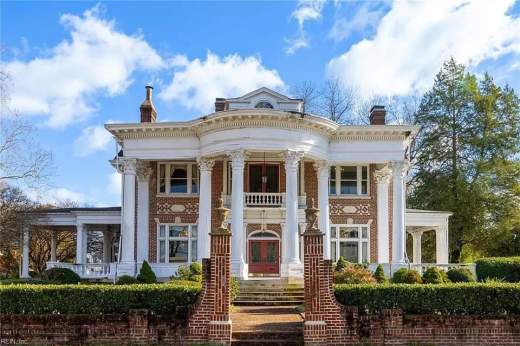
<point>264,104</point>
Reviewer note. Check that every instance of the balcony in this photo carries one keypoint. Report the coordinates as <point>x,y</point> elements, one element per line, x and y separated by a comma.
<point>87,270</point>
<point>265,200</point>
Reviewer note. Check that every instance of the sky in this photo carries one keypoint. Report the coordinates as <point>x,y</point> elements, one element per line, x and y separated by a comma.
<point>75,66</point>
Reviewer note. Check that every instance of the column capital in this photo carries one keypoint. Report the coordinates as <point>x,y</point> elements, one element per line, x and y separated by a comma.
<point>143,171</point>
<point>400,167</point>
<point>127,165</point>
<point>321,166</point>
<point>292,157</point>
<point>383,175</point>
<point>205,164</point>
<point>238,158</point>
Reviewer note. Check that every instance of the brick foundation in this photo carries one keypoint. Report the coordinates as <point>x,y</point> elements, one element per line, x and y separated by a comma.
<point>209,320</point>
<point>137,327</point>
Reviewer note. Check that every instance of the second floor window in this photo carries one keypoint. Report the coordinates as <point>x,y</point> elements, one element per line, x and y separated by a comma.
<point>178,178</point>
<point>348,180</point>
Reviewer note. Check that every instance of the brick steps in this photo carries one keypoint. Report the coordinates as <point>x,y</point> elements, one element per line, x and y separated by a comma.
<point>269,293</point>
<point>267,338</point>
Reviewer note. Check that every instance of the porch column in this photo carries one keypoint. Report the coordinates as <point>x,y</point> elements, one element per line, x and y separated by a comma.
<point>143,172</point>
<point>108,237</point>
<point>291,206</point>
<point>441,245</point>
<point>382,177</point>
<point>81,237</point>
<point>204,224</point>
<point>53,246</point>
<point>322,168</point>
<point>399,205</point>
<point>417,246</point>
<point>127,262</point>
<point>25,253</point>
<point>238,265</point>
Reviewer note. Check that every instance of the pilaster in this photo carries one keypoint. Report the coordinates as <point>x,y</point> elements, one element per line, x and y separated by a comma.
<point>382,177</point>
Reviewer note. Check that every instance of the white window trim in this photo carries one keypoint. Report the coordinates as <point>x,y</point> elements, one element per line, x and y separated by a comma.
<point>167,238</point>
<point>337,180</point>
<point>359,240</point>
<point>189,168</point>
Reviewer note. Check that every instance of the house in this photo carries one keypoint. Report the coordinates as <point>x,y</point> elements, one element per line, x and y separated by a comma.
<point>267,161</point>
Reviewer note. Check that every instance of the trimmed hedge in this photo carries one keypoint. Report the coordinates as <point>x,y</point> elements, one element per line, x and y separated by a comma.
<point>61,276</point>
<point>460,275</point>
<point>501,268</point>
<point>95,299</point>
<point>462,298</point>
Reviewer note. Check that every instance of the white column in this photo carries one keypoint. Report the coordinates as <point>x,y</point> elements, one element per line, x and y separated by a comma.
<point>291,206</point>
<point>108,237</point>
<point>53,246</point>
<point>143,171</point>
<point>382,178</point>
<point>238,265</point>
<point>127,262</point>
<point>322,168</point>
<point>25,253</point>
<point>441,245</point>
<point>417,246</point>
<point>399,206</point>
<point>80,243</point>
<point>204,225</point>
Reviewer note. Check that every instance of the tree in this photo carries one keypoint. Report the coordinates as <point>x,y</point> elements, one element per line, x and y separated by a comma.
<point>336,101</point>
<point>468,155</point>
<point>308,92</point>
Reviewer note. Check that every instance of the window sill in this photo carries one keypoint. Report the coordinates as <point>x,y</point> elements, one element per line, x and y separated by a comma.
<point>350,196</point>
<point>177,194</point>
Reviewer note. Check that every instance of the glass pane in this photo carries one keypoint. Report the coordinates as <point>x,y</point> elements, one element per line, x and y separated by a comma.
<point>364,252</point>
<point>364,187</point>
<point>348,187</point>
<point>194,179</point>
<point>349,172</point>
<point>271,253</point>
<point>193,250</point>
<point>332,187</point>
<point>162,251</point>
<point>162,231</point>
<point>162,178</point>
<point>348,232</point>
<point>178,251</point>
<point>178,231</point>
<point>364,172</point>
<point>178,179</point>
<point>364,232</point>
<point>332,173</point>
<point>255,253</point>
<point>333,251</point>
<point>333,232</point>
<point>194,231</point>
<point>349,251</point>
<point>178,172</point>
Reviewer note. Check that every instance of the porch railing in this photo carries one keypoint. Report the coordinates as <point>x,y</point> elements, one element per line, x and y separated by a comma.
<point>391,268</point>
<point>261,199</point>
<point>87,270</point>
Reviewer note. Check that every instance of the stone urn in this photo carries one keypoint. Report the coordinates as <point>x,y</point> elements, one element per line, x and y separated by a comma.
<point>311,217</point>
<point>222,213</point>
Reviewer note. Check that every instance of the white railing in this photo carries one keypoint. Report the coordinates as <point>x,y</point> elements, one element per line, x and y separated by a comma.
<point>87,270</point>
<point>391,268</point>
<point>261,199</point>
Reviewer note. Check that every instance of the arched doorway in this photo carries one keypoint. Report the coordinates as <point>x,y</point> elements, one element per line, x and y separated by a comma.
<point>264,253</point>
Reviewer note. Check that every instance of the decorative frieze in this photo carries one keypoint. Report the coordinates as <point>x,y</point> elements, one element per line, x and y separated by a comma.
<point>166,207</point>
<point>340,209</point>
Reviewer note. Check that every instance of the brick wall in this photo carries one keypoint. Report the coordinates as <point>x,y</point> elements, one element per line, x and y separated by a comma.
<point>137,327</point>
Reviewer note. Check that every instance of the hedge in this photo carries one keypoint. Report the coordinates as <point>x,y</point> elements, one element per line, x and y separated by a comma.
<point>94,299</point>
<point>453,298</point>
<point>501,268</point>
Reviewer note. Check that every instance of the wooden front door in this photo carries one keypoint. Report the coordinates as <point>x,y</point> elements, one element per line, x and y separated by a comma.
<point>264,178</point>
<point>264,256</point>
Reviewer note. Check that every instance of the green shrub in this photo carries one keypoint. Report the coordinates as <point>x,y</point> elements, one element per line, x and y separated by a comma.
<point>235,288</point>
<point>503,268</point>
<point>193,272</point>
<point>196,268</point>
<point>61,276</point>
<point>354,274</point>
<point>126,280</point>
<point>433,275</point>
<point>146,274</point>
<point>379,275</point>
<point>406,276</point>
<point>340,264</point>
<point>452,298</point>
<point>460,275</point>
<point>94,299</point>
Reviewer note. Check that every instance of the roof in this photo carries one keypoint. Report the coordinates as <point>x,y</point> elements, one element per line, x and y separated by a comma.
<point>70,210</point>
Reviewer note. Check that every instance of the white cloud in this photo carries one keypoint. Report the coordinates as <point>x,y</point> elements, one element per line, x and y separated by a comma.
<point>97,58</point>
<point>364,18</point>
<point>92,139</point>
<point>196,83</point>
<point>415,37</point>
<point>306,10</point>
<point>114,183</point>
<point>57,196</point>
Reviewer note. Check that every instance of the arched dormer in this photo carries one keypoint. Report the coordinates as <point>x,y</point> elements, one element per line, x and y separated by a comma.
<point>261,98</point>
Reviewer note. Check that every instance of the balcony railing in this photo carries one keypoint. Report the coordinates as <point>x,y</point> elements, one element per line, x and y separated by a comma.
<point>391,268</point>
<point>265,199</point>
<point>87,270</point>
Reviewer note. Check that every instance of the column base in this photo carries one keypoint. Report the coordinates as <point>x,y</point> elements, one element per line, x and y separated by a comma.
<point>293,272</point>
<point>126,268</point>
<point>239,269</point>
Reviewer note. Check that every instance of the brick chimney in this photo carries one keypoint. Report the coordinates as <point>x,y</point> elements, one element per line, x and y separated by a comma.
<point>148,113</point>
<point>377,115</point>
<point>220,104</point>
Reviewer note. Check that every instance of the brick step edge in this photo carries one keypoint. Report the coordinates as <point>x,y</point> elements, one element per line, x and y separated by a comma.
<point>265,335</point>
<point>267,302</point>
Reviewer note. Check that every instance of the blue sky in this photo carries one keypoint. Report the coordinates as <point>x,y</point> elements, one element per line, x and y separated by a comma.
<point>77,65</point>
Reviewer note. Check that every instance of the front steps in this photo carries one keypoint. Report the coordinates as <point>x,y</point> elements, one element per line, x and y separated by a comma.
<point>269,292</point>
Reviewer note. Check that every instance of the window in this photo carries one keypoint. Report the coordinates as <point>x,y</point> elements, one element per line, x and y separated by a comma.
<point>177,243</point>
<point>350,242</point>
<point>178,178</point>
<point>264,104</point>
<point>348,180</point>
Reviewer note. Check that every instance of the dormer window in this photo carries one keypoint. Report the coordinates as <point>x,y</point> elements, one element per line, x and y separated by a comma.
<point>264,104</point>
